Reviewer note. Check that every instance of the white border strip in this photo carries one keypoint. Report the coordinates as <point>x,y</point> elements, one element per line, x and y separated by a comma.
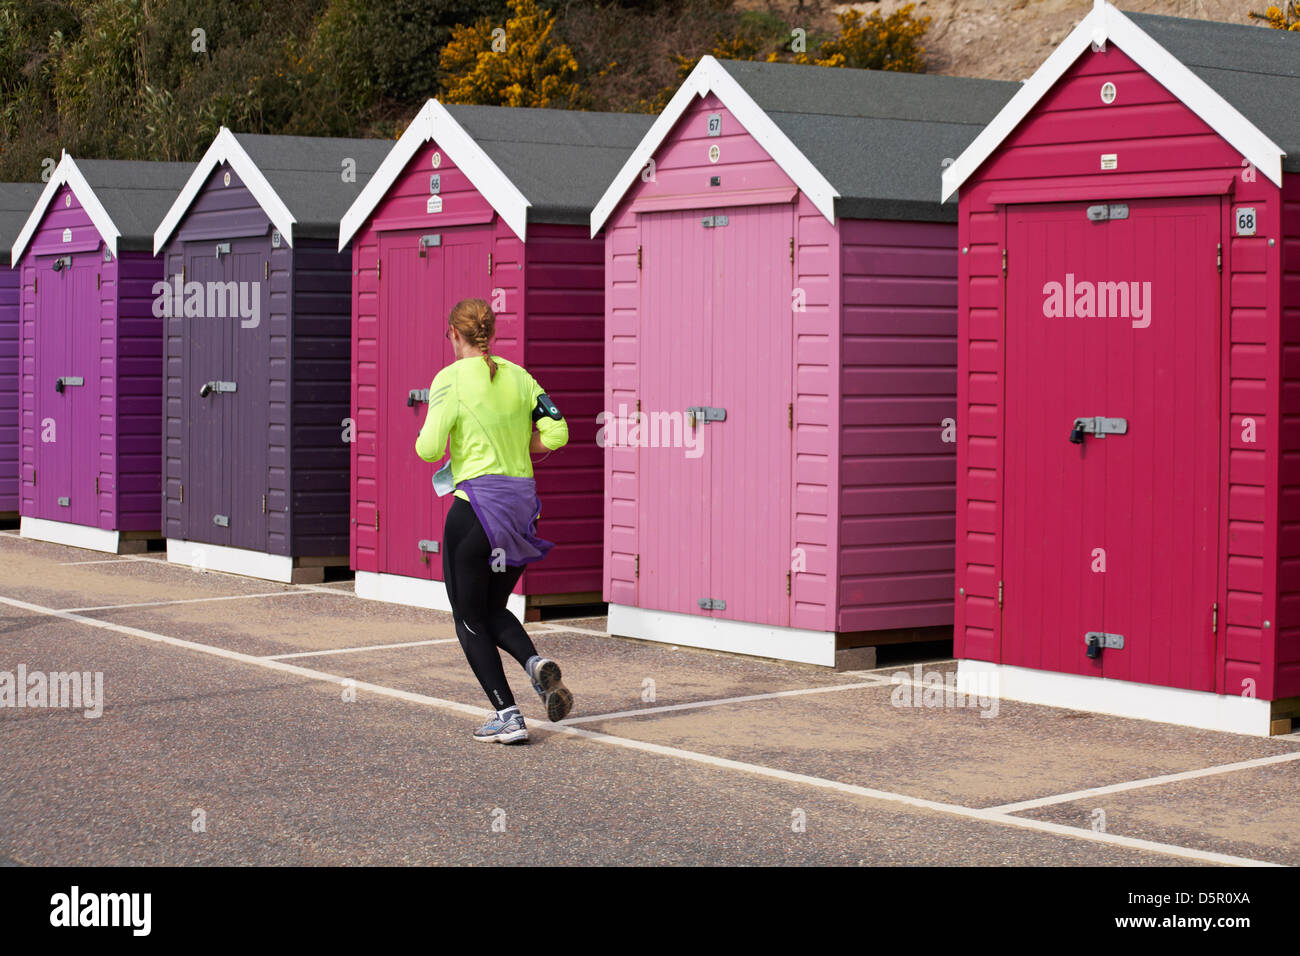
<point>717,634</point>
<point>1103,23</point>
<point>709,76</point>
<point>416,592</point>
<point>216,557</point>
<point>72,535</point>
<point>987,816</point>
<point>67,173</point>
<point>1121,698</point>
<point>226,149</point>
<point>360,650</point>
<point>434,122</point>
<point>202,600</point>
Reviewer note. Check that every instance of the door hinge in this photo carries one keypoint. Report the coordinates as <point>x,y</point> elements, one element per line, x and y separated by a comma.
<point>376,519</point>
<point>1214,618</point>
<point>379,269</point>
<point>787,582</point>
<point>1218,258</point>
<point>637,567</point>
<point>266,269</point>
<point>789,415</point>
<point>96,485</point>
<point>36,284</point>
<point>489,263</point>
<point>263,504</point>
<point>182,497</point>
<point>999,595</point>
<point>182,275</point>
<point>792,248</point>
<point>33,477</point>
<point>98,280</point>
<point>1004,261</point>
<point>638,258</point>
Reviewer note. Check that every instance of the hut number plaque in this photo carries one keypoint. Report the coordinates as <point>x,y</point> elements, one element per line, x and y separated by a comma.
<point>1245,220</point>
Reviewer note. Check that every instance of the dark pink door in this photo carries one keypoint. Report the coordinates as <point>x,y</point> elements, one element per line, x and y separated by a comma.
<point>422,276</point>
<point>716,335</point>
<point>68,452</point>
<point>1114,315</point>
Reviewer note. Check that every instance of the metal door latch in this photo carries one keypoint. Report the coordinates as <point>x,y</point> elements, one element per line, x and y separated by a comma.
<point>223,248</point>
<point>1097,641</point>
<point>1107,211</point>
<point>1098,426</point>
<point>209,387</point>
<point>65,502</point>
<point>63,381</point>
<point>703,414</point>
<point>710,222</point>
<point>427,548</point>
<point>221,521</point>
<point>713,604</point>
<point>417,395</point>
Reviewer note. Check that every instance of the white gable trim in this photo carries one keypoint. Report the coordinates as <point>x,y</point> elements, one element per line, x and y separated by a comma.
<point>225,149</point>
<point>1105,23</point>
<point>66,174</point>
<point>434,122</point>
<point>710,77</point>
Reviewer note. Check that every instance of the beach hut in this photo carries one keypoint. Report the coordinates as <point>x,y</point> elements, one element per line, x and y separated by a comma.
<point>258,348</point>
<point>16,202</point>
<point>90,354</point>
<point>1128,530</point>
<point>780,330</point>
<point>488,202</point>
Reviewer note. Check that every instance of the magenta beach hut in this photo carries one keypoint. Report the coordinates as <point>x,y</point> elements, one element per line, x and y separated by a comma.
<point>780,325</point>
<point>90,352</point>
<point>486,202</point>
<point>1129,391</point>
<point>259,363</point>
<point>16,202</point>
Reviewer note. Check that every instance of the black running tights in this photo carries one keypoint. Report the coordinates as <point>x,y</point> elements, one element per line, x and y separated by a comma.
<point>478,597</point>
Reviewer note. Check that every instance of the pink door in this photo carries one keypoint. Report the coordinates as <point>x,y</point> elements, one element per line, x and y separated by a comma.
<point>423,275</point>
<point>1113,313</point>
<point>716,336</point>
<point>67,389</point>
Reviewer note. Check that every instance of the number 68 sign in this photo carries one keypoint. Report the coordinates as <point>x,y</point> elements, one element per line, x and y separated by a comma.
<point>1244,219</point>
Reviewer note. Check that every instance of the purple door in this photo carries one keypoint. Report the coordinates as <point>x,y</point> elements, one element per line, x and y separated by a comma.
<point>714,483</point>
<point>228,370</point>
<point>67,388</point>
<point>423,275</point>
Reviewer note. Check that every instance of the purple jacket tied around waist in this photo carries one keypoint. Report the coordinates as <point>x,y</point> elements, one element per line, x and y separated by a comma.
<point>507,508</point>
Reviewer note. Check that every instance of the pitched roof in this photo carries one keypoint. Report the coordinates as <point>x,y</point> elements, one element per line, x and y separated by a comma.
<point>123,198</point>
<point>16,202</point>
<point>859,143</point>
<point>297,180</point>
<point>1233,77</point>
<point>531,165</point>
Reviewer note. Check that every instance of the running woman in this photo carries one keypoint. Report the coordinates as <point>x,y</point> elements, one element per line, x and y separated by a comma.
<point>487,407</point>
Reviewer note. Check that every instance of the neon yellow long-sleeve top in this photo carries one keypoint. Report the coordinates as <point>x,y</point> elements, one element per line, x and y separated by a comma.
<point>488,423</point>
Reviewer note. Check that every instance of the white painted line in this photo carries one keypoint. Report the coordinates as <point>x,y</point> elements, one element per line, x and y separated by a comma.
<point>358,650</point>
<point>1148,782</point>
<point>222,597</point>
<point>695,704</point>
<point>560,629</point>
<point>988,816</point>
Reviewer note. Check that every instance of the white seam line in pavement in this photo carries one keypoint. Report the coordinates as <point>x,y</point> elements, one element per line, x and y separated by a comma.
<point>989,816</point>
<point>358,650</point>
<point>695,704</point>
<point>68,564</point>
<point>1147,782</point>
<point>560,629</point>
<point>220,597</point>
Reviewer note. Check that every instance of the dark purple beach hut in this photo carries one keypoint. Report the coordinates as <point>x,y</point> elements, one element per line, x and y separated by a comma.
<point>90,351</point>
<point>16,202</point>
<point>258,346</point>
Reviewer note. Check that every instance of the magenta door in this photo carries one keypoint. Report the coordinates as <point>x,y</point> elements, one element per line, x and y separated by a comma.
<point>1117,534</point>
<point>67,389</point>
<point>716,336</point>
<point>422,276</point>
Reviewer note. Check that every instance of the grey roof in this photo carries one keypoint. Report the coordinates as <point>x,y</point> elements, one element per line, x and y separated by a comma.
<point>306,172</point>
<point>17,200</point>
<point>879,137</point>
<point>136,194</point>
<point>561,160</point>
<point>1254,68</point>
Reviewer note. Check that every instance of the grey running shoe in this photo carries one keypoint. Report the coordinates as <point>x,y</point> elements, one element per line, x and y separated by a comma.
<point>545,675</point>
<point>510,731</point>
